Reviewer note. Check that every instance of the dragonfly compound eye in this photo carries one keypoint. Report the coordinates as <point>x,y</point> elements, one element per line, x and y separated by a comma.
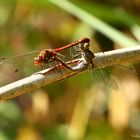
<point>85,46</point>
<point>38,60</point>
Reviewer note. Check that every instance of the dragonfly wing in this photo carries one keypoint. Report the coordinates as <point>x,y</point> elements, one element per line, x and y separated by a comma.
<point>70,53</point>
<point>17,67</point>
<point>106,79</point>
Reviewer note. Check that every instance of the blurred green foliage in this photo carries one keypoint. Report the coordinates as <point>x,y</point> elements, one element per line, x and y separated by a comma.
<point>76,108</point>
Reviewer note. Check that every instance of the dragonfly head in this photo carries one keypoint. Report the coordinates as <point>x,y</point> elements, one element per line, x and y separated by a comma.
<point>85,46</point>
<point>85,43</point>
<point>43,57</point>
<point>38,60</point>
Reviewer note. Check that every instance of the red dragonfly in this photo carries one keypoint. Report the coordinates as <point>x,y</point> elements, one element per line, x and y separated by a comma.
<point>12,66</point>
<point>49,55</point>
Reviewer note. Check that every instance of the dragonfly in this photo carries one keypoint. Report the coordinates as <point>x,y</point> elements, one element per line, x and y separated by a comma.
<point>43,59</point>
<point>49,55</point>
<point>48,58</point>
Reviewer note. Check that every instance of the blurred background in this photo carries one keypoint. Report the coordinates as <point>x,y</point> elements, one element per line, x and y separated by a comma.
<point>80,107</point>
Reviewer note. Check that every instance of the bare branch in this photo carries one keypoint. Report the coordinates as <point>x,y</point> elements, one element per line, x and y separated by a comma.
<point>52,75</point>
<point>120,56</point>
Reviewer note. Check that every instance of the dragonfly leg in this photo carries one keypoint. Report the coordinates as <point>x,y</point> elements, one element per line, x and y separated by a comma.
<point>57,68</point>
<point>64,64</point>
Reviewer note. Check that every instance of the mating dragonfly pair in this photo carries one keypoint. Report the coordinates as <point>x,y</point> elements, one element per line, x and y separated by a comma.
<point>48,58</point>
